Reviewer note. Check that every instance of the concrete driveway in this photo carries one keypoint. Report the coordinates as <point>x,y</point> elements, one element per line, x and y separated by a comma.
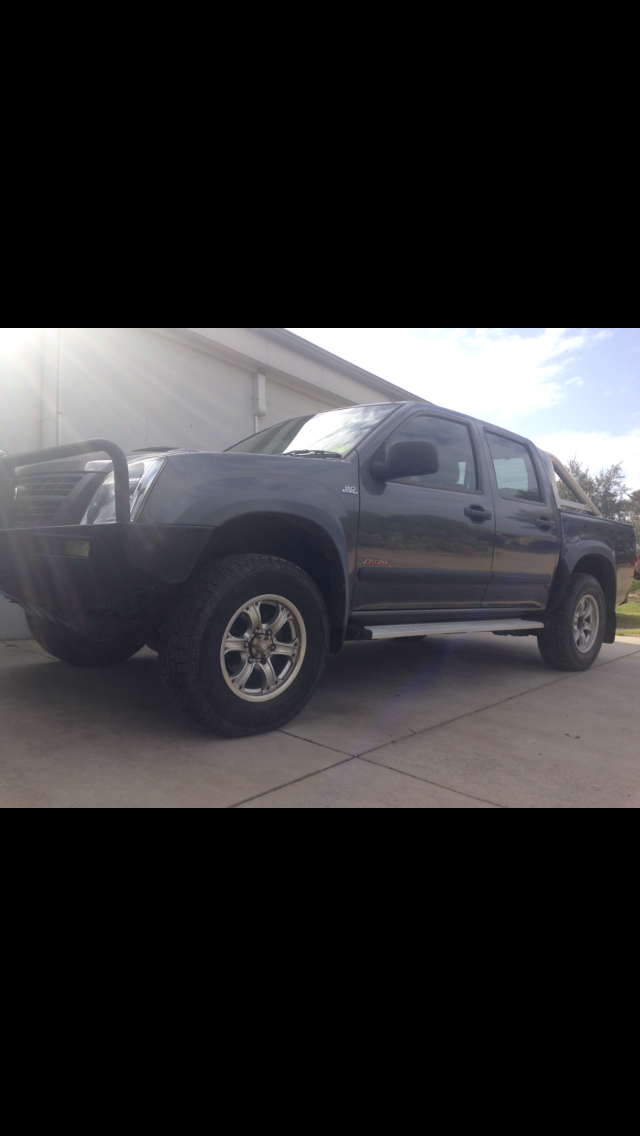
<point>456,723</point>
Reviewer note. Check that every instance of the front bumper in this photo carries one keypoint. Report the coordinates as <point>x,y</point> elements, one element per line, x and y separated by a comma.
<point>94,578</point>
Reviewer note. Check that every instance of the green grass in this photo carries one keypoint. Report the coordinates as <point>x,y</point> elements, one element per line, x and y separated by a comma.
<point>629,613</point>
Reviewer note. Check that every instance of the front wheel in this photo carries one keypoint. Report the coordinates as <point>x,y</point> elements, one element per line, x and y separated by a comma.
<point>575,632</point>
<point>245,645</point>
<point>65,645</point>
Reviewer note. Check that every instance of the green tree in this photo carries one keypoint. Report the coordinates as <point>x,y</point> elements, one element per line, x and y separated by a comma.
<point>634,510</point>
<point>607,489</point>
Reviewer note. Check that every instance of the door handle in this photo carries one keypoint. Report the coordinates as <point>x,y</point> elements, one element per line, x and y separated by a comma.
<point>478,514</point>
<point>545,524</point>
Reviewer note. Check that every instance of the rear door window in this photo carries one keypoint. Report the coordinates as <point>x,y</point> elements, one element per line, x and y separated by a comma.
<point>514,469</point>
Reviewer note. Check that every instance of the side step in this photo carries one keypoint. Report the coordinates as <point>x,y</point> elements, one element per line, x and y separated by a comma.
<point>476,627</point>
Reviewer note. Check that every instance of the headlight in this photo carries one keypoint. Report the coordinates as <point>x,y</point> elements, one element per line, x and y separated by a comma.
<point>142,475</point>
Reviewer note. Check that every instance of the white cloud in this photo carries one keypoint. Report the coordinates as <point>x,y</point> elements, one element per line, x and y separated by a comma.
<point>598,451</point>
<point>492,373</point>
<point>575,383</point>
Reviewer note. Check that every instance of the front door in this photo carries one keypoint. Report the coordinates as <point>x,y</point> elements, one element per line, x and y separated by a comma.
<point>427,542</point>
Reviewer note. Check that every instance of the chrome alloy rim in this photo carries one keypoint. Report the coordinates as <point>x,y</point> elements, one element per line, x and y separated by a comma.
<point>586,624</point>
<point>263,649</point>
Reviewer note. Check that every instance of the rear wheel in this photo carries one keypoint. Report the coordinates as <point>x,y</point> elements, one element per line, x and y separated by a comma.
<point>575,633</point>
<point>65,645</point>
<point>245,645</point>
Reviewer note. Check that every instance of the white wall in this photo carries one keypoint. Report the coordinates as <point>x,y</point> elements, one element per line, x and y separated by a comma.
<point>20,413</point>
<point>327,377</point>
<point>142,389</point>
<point>138,389</point>
<point>21,393</point>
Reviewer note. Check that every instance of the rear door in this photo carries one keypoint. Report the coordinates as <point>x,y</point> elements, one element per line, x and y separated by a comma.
<point>427,542</point>
<point>527,543</point>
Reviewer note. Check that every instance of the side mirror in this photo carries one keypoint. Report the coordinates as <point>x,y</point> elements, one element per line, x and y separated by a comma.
<point>407,459</point>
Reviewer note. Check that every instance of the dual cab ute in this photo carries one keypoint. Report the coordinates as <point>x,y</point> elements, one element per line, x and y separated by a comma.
<point>244,569</point>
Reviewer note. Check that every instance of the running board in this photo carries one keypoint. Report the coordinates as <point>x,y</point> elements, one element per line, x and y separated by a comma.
<point>477,627</point>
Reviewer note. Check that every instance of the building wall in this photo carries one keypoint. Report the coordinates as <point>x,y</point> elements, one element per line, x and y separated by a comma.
<point>21,393</point>
<point>138,389</point>
<point>339,383</point>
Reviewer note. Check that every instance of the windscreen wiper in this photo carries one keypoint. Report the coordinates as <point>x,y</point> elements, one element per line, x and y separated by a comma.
<point>311,453</point>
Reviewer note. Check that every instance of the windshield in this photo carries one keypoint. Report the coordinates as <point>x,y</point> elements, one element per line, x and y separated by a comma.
<point>333,433</point>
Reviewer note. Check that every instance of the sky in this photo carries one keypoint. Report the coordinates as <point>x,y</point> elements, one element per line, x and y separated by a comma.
<point>573,390</point>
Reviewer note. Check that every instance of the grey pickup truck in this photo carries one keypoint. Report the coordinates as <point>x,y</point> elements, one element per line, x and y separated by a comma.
<point>244,569</point>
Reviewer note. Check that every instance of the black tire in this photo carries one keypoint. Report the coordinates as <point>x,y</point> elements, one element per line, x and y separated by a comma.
<point>204,674</point>
<point>65,645</point>
<point>559,643</point>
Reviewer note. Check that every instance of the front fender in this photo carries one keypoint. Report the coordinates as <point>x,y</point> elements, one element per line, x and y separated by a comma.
<point>211,490</point>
